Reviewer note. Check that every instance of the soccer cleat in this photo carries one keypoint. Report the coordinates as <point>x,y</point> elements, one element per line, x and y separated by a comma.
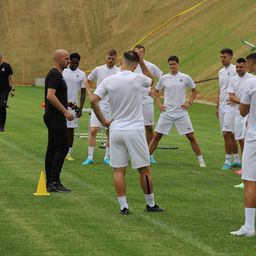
<point>124,211</point>
<point>152,160</point>
<point>236,164</point>
<point>106,160</point>
<point>202,164</point>
<point>226,167</point>
<point>155,208</point>
<point>69,157</point>
<point>241,185</point>
<point>239,172</point>
<point>243,231</point>
<point>88,161</point>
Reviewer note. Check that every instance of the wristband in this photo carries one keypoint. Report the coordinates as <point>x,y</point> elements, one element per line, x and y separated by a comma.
<point>188,103</point>
<point>13,89</point>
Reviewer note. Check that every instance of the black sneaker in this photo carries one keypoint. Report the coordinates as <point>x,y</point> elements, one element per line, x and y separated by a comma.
<point>57,187</point>
<point>124,211</point>
<point>63,188</point>
<point>155,208</point>
<point>53,187</point>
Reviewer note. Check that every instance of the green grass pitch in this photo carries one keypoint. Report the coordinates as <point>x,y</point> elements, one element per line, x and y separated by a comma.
<point>202,206</point>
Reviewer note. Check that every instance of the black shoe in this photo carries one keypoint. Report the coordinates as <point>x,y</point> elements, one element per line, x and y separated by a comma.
<point>124,211</point>
<point>57,187</point>
<point>63,188</point>
<point>155,208</point>
<point>2,129</point>
<point>53,187</point>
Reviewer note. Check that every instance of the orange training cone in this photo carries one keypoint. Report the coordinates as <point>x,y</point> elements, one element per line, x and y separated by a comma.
<point>41,187</point>
<point>43,104</point>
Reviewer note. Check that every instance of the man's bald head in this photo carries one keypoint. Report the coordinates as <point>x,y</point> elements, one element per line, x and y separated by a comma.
<point>61,59</point>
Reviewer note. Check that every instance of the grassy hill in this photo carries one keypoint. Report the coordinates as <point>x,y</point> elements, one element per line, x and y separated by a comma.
<point>33,29</point>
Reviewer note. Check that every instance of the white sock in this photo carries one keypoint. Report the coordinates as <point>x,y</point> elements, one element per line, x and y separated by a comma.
<point>236,158</point>
<point>70,150</point>
<point>90,152</point>
<point>200,158</point>
<point>107,153</point>
<point>249,218</point>
<point>228,159</point>
<point>150,199</point>
<point>122,202</point>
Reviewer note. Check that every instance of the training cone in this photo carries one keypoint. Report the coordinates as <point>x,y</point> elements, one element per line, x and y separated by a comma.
<point>43,104</point>
<point>41,187</point>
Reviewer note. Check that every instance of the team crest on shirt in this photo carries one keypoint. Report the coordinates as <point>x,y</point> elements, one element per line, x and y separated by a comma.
<point>77,76</point>
<point>3,69</point>
<point>228,74</point>
<point>181,80</point>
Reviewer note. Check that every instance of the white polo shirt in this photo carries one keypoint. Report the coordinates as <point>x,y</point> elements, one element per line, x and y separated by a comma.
<point>237,86</point>
<point>249,98</point>
<point>156,72</point>
<point>99,74</point>
<point>75,81</point>
<point>174,87</point>
<point>124,91</point>
<point>225,75</point>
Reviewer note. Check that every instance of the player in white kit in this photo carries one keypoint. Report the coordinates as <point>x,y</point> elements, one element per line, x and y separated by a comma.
<point>147,97</point>
<point>226,114</point>
<point>174,111</point>
<point>99,74</point>
<point>75,79</point>
<point>235,90</point>
<point>127,135</point>
<point>248,105</point>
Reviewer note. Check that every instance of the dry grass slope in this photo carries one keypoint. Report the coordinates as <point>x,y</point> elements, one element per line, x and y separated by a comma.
<point>33,29</point>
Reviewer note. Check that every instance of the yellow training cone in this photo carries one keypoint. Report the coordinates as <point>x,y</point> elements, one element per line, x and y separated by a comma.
<point>41,187</point>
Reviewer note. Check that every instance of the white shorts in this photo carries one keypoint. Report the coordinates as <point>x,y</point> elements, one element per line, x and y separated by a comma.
<point>249,161</point>
<point>148,114</point>
<point>227,120</point>
<point>94,121</point>
<point>240,126</point>
<point>182,124</point>
<point>128,144</point>
<point>73,123</point>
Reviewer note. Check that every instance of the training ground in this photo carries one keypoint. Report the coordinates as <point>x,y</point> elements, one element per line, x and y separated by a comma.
<point>202,205</point>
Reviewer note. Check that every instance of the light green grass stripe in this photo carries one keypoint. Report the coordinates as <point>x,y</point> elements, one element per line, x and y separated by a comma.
<point>182,235</point>
<point>40,242</point>
<point>21,151</point>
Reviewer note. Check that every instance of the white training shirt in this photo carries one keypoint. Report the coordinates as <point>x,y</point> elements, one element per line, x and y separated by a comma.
<point>156,72</point>
<point>237,86</point>
<point>249,98</point>
<point>124,91</point>
<point>174,87</point>
<point>75,81</point>
<point>99,74</point>
<point>224,76</point>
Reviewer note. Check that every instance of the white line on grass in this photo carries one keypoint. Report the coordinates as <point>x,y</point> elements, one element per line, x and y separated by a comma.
<point>180,234</point>
<point>40,242</point>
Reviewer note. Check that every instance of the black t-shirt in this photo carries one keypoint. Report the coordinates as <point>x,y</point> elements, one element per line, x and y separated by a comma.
<point>5,72</point>
<point>53,116</point>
